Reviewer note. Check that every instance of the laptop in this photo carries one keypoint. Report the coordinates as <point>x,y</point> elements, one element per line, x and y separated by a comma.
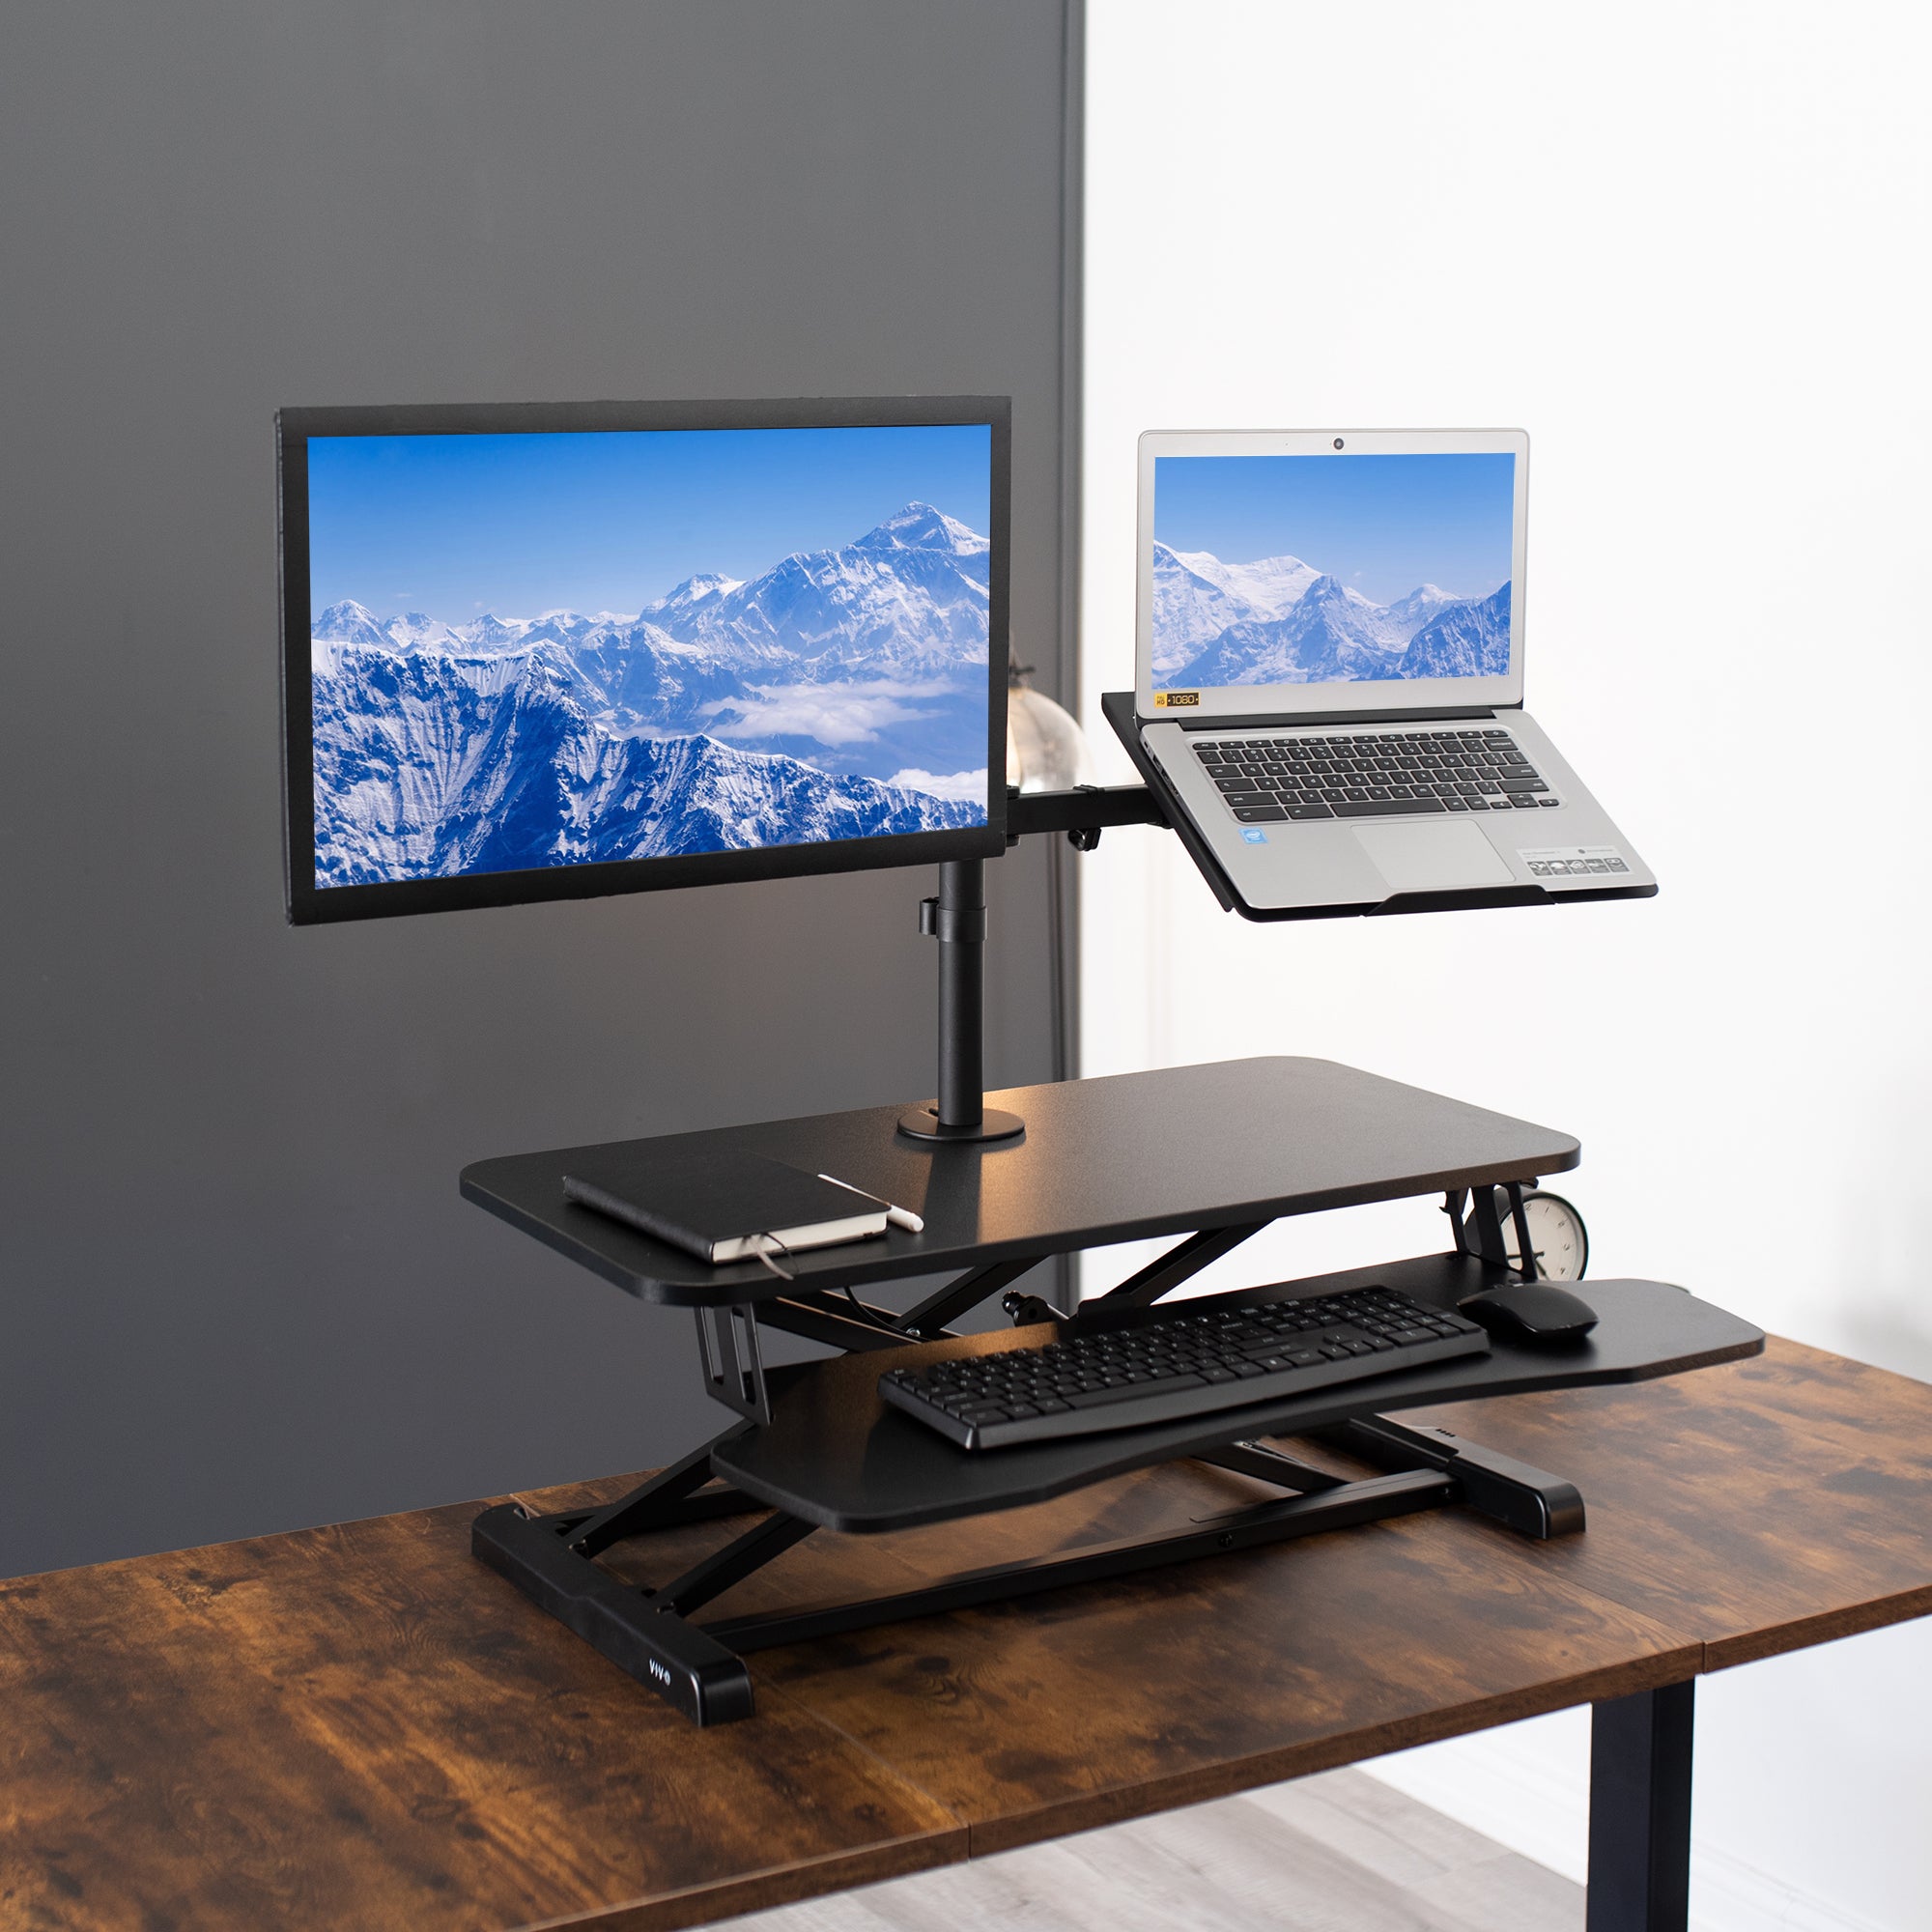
<point>1329,676</point>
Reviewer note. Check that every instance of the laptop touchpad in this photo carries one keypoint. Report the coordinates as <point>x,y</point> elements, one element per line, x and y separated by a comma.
<point>1433,857</point>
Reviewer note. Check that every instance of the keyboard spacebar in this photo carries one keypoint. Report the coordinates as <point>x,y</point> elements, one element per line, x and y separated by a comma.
<point>1383,808</point>
<point>1155,1386</point>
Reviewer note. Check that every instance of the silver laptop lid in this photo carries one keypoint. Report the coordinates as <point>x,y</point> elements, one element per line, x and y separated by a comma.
<point>1287,572</point>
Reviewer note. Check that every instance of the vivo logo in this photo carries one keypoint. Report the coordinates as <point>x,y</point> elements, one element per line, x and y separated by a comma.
<point>658,1670</point>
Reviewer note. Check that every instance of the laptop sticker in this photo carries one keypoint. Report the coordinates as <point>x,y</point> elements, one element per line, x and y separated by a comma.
<point>1574,862</point>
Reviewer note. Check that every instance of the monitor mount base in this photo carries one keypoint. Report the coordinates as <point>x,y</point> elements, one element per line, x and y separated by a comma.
<point>922,1123</point>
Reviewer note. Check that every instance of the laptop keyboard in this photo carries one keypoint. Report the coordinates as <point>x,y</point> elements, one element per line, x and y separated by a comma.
<point>1388,775</point>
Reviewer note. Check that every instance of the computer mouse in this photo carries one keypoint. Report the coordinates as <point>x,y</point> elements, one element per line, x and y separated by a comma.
<point>1537,1311</point>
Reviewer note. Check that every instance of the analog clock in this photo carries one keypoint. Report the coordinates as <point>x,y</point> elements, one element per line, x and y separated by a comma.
<point>1557,1238</point>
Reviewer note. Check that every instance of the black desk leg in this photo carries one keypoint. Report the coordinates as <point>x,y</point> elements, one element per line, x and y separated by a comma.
<point>1640,1812</point>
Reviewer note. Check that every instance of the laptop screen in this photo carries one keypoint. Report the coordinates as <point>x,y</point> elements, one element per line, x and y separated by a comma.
<point>1313,578</point>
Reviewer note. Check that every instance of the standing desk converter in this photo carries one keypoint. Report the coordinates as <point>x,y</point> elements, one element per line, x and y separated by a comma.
<point>1210,1154</point>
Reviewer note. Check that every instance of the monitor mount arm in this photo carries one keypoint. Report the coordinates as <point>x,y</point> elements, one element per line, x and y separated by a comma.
<point>958,919</point>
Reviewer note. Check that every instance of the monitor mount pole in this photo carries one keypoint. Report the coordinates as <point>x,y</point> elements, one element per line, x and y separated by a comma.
<point>958,920</point>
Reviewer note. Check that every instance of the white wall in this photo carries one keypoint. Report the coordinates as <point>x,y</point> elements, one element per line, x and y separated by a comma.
<point>1685,247</point>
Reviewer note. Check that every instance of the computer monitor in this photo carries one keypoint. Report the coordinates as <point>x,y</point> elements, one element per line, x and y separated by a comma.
<point>557,651</point>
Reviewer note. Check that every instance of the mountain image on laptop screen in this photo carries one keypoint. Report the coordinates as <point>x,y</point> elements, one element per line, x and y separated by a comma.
<point>531,650</point>
<point>1320,570</point>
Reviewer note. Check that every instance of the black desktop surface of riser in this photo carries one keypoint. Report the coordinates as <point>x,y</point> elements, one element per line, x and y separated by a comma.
<point>1129,1157</point>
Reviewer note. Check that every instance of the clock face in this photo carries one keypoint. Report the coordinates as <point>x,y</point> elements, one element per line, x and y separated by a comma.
<point>1556,1236</point>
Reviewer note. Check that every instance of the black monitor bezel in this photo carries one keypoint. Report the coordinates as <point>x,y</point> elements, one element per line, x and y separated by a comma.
<point>310,905</point>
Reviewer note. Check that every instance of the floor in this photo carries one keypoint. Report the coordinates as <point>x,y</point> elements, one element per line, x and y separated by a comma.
<point>1337,1853</point>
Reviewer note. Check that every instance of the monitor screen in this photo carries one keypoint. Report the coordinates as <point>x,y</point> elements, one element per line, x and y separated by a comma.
<point>543,653</point>
<point>1322,570</point>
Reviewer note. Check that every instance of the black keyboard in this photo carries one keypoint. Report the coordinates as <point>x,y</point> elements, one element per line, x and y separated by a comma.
<point>1379,774</point>
<point>1176,1364</point>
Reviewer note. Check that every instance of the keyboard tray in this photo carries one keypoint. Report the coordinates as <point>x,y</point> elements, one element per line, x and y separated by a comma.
<point>836,1455</point>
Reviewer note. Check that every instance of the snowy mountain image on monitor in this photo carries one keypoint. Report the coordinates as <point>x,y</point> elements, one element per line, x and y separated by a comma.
<point>842,694</point>
<point>1282,621</point>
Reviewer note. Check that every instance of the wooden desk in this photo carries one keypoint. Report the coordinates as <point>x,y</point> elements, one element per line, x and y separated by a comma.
<point>362,1726</point>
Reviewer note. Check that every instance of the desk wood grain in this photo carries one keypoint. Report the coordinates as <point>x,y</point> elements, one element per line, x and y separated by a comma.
<point>362,1726</point>
<point>1759,1507</point>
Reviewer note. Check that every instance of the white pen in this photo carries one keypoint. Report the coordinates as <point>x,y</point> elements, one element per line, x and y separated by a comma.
<point>899,1217</point>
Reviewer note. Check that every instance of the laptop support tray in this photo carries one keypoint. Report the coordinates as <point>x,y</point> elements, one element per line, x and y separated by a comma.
<point>1118,707</point>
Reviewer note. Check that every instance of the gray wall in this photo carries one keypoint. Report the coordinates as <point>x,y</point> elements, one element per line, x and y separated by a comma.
<point>238,1290</point>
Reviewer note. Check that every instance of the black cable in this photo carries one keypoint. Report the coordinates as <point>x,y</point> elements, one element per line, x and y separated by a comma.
<point>869,1316</point>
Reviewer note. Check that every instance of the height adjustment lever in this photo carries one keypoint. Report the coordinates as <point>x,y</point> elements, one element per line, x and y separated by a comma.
<point>1026,1311</point>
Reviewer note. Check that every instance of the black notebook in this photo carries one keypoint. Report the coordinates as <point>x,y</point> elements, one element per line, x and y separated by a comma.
<point>718,1206</point>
